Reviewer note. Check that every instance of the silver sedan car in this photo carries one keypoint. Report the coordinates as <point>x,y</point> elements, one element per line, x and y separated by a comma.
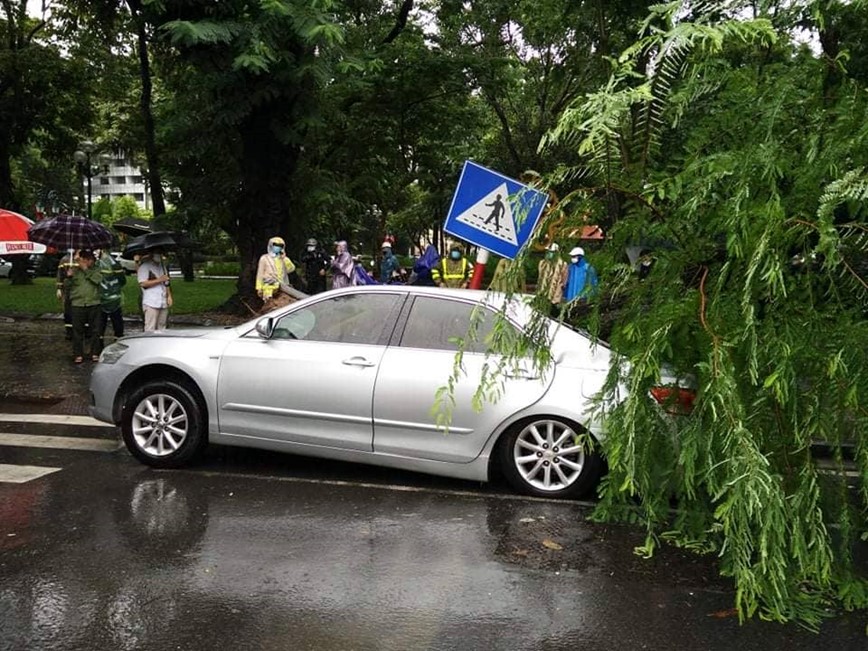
<point>353,375</point>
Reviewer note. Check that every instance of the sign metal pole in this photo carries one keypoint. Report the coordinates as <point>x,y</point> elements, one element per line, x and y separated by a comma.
<point>479,268</point>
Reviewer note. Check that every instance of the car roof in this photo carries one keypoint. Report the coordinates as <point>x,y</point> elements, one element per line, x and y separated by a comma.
<point>519,309</point>
<point>491,298</point>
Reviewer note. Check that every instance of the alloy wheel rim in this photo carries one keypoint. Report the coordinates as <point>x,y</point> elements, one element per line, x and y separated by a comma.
<point>159,425</point>
<point>548,456</point>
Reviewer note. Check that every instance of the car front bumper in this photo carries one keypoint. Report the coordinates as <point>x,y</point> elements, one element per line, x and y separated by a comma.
<point>104,383</point>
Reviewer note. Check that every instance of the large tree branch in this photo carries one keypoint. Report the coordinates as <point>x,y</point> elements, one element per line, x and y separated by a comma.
<point>507,132</point>
<point>401,22</point>
<point>10,20</point>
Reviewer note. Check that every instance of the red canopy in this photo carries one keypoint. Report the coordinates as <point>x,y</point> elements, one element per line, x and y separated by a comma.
<point>13,234</point>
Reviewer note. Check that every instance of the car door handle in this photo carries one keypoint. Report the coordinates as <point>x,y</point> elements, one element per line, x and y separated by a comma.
<point>357,361</point>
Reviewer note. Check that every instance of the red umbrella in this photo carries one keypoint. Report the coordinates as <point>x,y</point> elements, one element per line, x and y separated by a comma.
<point>13,234</point>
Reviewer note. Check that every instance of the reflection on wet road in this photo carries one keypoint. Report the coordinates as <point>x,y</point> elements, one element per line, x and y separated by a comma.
<point>106,554</point>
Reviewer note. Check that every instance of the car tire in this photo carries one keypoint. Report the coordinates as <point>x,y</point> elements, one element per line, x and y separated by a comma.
<point>163,424</point>
<point>535,460</point>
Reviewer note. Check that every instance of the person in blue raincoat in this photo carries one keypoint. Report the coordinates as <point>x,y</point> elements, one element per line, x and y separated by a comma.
<point>362,277</point>
<point>389,264</point>
<point>581,277</point>
<point>422,267</point>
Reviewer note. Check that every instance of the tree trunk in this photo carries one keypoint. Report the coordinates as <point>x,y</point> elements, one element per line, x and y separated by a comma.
<point>7,191</point>
<point>18,273</point>
<point>154,179</point>
<point>263,206</point>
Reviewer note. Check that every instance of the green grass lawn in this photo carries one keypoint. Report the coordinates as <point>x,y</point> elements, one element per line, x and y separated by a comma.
<point>190,298</point>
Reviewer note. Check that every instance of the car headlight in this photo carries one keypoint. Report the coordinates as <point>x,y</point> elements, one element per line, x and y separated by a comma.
<point>112,353</point>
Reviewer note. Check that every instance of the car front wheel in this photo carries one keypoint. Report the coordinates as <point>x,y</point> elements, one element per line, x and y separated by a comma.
<point>163,424</point>
<point>549,457</point>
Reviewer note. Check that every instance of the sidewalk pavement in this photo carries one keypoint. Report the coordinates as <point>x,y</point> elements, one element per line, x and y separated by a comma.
<point>36,369</point>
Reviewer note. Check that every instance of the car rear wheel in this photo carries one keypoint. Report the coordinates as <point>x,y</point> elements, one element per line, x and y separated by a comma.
<point>549,457</point>
<point>163,424</point>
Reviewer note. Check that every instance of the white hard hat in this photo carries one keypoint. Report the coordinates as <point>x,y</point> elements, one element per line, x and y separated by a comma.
<point>577,251</point>
<point>553,247</point>
<point>386,245</point>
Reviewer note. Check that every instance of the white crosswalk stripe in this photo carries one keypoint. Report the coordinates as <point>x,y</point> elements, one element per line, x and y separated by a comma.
<point>58,442</point>
<point>53,419</point>
<point>21,473</point>
<point>13,474</point>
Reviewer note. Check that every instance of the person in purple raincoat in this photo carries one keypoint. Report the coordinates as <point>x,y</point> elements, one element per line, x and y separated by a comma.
<point>342,266</point>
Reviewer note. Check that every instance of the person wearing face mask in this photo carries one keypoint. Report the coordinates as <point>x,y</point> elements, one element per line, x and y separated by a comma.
<point>274,269</point>
<point>315,263</point>
<point>552,277</point>
<point>453,270</point>
<point>153,278</point>
<point>581,277</point>
<point>389,264</point>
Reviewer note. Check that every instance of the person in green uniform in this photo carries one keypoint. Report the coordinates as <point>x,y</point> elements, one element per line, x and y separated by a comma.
<point>82,286</point>
<point>110,295</point>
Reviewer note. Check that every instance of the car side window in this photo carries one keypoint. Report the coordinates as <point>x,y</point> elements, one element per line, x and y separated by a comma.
<point>441,324</point>
<point>352,319</point>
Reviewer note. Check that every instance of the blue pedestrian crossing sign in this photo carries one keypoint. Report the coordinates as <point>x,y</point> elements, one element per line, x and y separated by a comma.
<point>493,211</point>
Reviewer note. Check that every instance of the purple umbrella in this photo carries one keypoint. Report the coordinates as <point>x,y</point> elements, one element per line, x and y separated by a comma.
<point>71,232</point>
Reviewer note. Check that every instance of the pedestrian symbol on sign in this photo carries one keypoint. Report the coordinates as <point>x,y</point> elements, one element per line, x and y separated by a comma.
<point>480,215</point>
<point>496,213</point>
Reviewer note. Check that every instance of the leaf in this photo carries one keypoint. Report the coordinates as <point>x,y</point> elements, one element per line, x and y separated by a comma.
<point>551,544</point>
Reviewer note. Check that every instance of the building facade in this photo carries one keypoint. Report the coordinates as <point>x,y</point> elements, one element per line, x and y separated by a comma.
<point>124,178</point>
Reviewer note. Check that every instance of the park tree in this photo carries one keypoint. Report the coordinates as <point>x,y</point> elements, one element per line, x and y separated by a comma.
<point>36,106</point>
<point>242,79</point>
<point>115,36</point>
<point>527,61</point>
<point>735,155</point>
<point>386,153</point>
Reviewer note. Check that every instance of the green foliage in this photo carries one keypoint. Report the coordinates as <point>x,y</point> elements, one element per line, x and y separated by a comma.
<point>730,164</point>
<point>123,207</point>
<point>102,210</point>
<point>36,107</point>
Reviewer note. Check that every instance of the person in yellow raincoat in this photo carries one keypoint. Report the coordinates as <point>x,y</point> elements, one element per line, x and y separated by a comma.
<point>274,269</point>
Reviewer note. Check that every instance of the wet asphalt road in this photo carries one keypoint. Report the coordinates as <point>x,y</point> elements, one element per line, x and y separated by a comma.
<point>253,550</point>
<point>105,554</point>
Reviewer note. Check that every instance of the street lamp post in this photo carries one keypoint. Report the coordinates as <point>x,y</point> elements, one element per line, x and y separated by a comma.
<point>82,158</point>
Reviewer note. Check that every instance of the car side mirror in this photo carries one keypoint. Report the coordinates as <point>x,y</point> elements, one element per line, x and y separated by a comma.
<point>265,327</point>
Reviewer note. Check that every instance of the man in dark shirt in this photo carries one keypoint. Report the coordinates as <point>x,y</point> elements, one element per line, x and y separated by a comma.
<point>315,262</point>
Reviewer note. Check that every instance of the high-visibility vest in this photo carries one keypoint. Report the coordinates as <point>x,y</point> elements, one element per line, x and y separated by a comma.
<point>452,277</point>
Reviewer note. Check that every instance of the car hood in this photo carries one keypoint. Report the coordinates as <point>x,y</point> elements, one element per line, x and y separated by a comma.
<point>182,333</point>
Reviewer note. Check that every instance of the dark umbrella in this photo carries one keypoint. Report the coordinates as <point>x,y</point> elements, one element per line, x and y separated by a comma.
<point>160,240</point>
<point>71,232</point>
<point>133,226</point>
